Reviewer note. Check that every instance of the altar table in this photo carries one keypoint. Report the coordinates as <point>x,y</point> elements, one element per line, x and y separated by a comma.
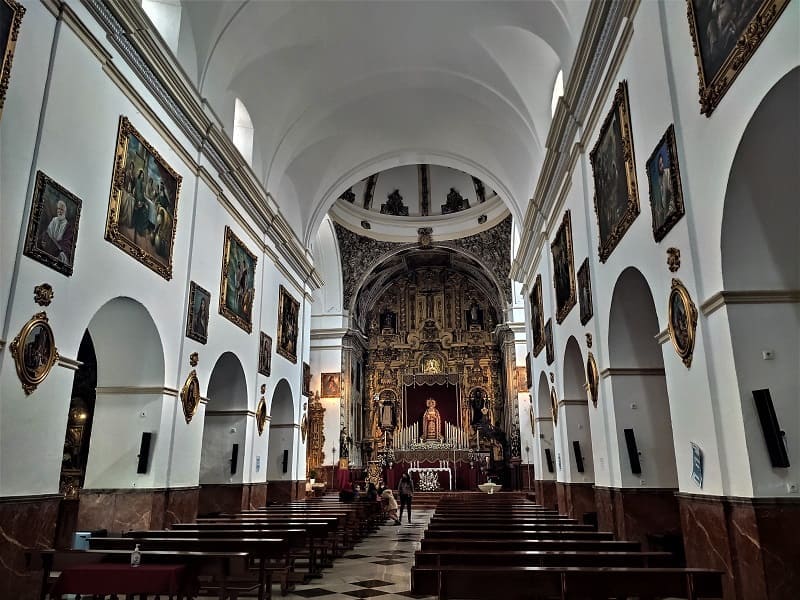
<point>111,578</point>
<point>437,470</point>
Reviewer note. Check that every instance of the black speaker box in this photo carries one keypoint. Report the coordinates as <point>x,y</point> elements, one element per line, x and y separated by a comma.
<point>773,435</point>
<point>144,452</point>
<point>549,457</point>
<point>285,461</point>
<point>234,458</point>
<point>633,452</point>
<point>576,446</point>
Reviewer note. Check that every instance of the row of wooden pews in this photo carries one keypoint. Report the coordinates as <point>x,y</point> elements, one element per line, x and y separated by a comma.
<point>501,547</point>
<point>233,555</point>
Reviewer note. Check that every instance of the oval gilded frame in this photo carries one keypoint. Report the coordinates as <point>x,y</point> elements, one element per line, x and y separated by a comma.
<point>592,378</point>
<point>682,321</point>
<point>190,396</point>
<point>34,351</point>
<point>554,405</point>
<point>261,415</point>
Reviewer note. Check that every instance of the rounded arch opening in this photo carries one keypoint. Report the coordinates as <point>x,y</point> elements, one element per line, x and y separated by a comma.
<point>575,415</point>
<point>281,434</point>
<point>544,430</point>
<point>574,375</point>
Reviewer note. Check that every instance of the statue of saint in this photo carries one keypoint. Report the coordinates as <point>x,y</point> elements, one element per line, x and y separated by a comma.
<point>431,422</point>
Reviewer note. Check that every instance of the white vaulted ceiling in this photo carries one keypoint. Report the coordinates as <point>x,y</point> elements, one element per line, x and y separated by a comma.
<point>338,91</point>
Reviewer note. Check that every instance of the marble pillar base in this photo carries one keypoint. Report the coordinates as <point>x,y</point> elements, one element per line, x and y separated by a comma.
<point>230,498</point>
<point>25,523</point>
<point>123,510</point>
<point>546,493</point>
<point>650,516</point>
<point>753,540</point>
<point>575,499</point>
<point>286,491</point>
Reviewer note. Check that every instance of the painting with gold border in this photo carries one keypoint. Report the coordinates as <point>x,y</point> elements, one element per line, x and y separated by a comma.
<point>550,353</point>
<point>190,396</point>
<point>331,387</point>
<point>197,317</point>
<point>725,35</point>
<point>288,315</point>
<point>682,323</point>
<point>537,316</point>
<point>616,195</point>
<point>664,183</point>
<point>585,292</point>
<point>143,207</point>
<point>261,415</point>
<point>592,378</point>
<point>237,282</point>
<point>11,13</point>
<point>563,268</point>
<point>34,351</point>
<point>554,405</point>
<point>265,354</point>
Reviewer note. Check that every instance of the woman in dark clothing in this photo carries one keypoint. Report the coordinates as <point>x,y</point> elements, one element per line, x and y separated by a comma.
<point>405,490</point>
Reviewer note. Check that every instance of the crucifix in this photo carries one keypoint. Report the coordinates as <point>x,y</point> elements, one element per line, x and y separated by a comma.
<point>428,302</point>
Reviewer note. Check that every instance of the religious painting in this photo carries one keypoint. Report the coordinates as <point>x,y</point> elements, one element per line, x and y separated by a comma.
<point>725,35</point>
<point>592,378</point>
<point>537,316</point>
<point>190,396</point>
<point>288,314</point>
<point>616,196</point>
<point>261,416</point>
<point>550,353</point>
<point>585,293</point>
<point>554,405</point>
<point>664,181</point>
<point>331,385</point>
<point>528,371</point>
<point>563,269</point>
<point>306,380</point>
<point>237,285</point>
<point>264,354</point>
<point>143,208</point>
<point>34,352</point>
<point>11,13</point>
<point>53,224</point>
<point>682,321</point>
<point>522,380</point>
<point>197,320</point>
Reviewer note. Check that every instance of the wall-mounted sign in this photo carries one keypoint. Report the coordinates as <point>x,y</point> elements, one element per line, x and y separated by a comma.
<point>697,465</point>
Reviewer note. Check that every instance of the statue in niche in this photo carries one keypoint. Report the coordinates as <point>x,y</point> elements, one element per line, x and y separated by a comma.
<point>477,403</point>
<point>474,316</point>
<point>431,422</point>
<point>431,365</point>
<point>455,203</point>
<point>389,321</point>
<point>388,418</point>
<point>395,205</point>
<point>344,443</point>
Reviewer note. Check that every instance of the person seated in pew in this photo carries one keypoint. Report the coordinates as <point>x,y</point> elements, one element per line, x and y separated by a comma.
<point>390,505</point>
<point>372,493</point>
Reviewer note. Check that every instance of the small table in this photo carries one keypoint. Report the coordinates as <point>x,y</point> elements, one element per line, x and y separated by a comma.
<point>110,578</point>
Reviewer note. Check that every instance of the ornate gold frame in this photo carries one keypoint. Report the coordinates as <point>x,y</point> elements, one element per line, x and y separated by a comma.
<point>550,353</point>
<point>684,349</point>
<point>621,106</point>
<point>112,233</point>
<point>231,237</point>
<point>264,354</point>
<point>30,381</point>
<point>566,227</point>
<point>675,175</point>
<point>261,415</point>
<point>284,297</point>
<point>194,289</point>
<point>554,406</point>
<point>538,327</point>
<point>190,396</point>
<point>592,378</point>
<point>585,276</point>
<point>8,52</point>
<point>711,92</point>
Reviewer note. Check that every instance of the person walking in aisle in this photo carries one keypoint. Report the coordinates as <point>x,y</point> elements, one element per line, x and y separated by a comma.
<point>405,490</point>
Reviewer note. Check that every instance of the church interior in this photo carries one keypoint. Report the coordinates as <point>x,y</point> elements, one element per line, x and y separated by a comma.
<point>256,253</point>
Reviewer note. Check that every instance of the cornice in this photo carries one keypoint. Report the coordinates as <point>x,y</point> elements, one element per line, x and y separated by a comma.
<point>724,298</point>
<point>139,390</point>
<point>232,413</point>
<point>69,363</point>
<point>632,372</point>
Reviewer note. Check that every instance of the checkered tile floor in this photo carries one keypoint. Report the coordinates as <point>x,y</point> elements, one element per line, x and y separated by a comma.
<point>379,567</point>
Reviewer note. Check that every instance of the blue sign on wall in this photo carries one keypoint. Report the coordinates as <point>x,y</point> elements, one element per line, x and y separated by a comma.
<point>697,464</point>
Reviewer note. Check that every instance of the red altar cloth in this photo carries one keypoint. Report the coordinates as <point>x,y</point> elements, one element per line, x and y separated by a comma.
<point>111,578</point>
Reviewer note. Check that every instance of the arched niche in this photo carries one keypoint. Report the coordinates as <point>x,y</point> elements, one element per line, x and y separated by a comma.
<point>281,434</point>
<point>575,415</point>
<point>641,402</point>
<point>544,428</point>
<point>761,274</point>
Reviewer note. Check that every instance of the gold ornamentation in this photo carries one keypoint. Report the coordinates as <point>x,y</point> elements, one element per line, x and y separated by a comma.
<point>592,378</point>
<point>7,56</point>
<point>588,340</point>
<point>304,427</point>
<point>425,236</point>
<point>194,358</point>
<point>288,312</point>
<point>673,259</point>
<point>263,388</point>
<point>237,282</point>
<point>554,405</point>
<point>563,269</point>
<point>738,38</point>
<point>261,416</point>
<point>315,420</point>
<point>682,324</point>
<point>43,294</point>
<point>34,352</point>
<point>190,396</point>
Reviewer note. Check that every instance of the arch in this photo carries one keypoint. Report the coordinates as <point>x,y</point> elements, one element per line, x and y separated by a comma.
<point>328,262</point>
<point>543,396</point>
<point>633,323</point>
<point>574,375</point>
<point>575,416</point>
<point>281,433</point>
<point>227,385</point>
<point>243,132</point>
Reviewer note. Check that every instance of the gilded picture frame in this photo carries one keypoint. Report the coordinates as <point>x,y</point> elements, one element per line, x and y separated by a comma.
<point>554,405</point>
<point>585,293</point>
<point>52,233</point>
<point>522,380</point>
<point>725,35</point>
<point>331,385</point>
<point>288,313</point>
<point>616,195</point>
<point>190,396</point>
<point>563,268</point>
<point>528,371</point>
<point>143,205</point>
<point>550,353</point>
<point>592,378</point>
<point>197,313</point>
<point>11,13</point>
<point>306,380</point>
<point>237,281</point>
<point>682,323</point>
<point>34,352</point>
<point>537,316</point>
<point>261,416</point>
<point>265,354</point>
<point>664,184</point>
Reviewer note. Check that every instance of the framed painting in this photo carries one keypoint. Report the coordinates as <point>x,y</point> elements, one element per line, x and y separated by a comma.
<point>548,339</point>
<point>237,283</point>
<point>585,292</point>
<point>554,405</point>
<point>306,380</point>
<point>563,269</point>
<point>288,313</point>
<point>261,416</point>
<point>265,354</point>
<point>53,225</point>
<point>331,386</point>
<point>34,351</point>
<point>190,396</point>
<point>197,319</point>
<point>664,182</point>
<point>143,208</point>
<point>592,378</point>
<point>616,196</point>
<point>522,380</point>
<point>725,35</point>
<point>11,14</point>
<point>528,371</point>
<point>682,324</point>
<point>537,316</point>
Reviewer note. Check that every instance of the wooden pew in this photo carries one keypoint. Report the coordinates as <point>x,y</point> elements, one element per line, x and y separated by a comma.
<point>491,546</point>
<point>467,535</point>
<point>480,528</point>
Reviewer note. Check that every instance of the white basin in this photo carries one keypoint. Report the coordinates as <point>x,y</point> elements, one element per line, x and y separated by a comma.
<point>489,488</point>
